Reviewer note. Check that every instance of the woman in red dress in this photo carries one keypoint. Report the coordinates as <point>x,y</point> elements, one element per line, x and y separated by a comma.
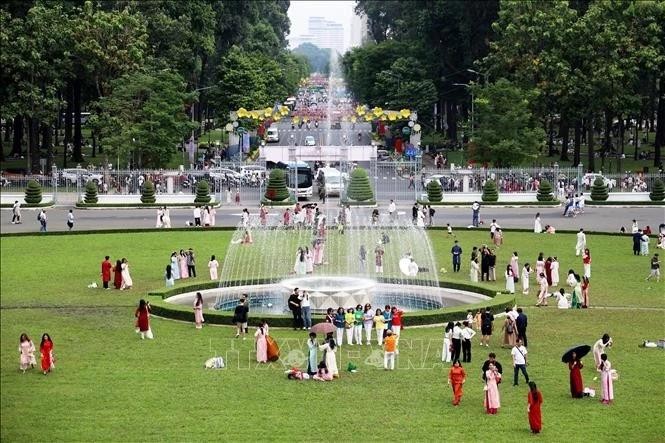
<point>548,271</point>
<point>576,385</point>
<point>117,274</point>
<point>142,315</point>
<point>535,399</point>
<point>46,351</point>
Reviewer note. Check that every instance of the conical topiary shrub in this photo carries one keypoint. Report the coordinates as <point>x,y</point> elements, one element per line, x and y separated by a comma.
<point>276,190</point>
<point>599,191</point>
<point>545,192</point>
<point>148,192</point>
<point>490,193</point>
<point>359,188</point>
<point>90,193</point>
<point>202,192</point>
<point>657,194</point>
<point>33,193</point>
<point>434,191</point>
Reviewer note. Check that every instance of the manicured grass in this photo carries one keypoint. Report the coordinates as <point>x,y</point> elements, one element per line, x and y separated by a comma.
<point>109,385</point>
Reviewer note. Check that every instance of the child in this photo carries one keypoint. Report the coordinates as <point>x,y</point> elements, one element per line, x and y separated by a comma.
<point>476,320</point>
<point>323,374</point>
<point>389,348</point>
<point>450,230</point>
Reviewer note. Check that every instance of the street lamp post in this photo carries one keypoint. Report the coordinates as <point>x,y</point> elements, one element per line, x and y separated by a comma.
<point>472,100</point>
<point>485,75</point>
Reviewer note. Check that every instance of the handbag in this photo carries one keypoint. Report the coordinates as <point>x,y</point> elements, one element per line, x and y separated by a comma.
<point>272,349</point>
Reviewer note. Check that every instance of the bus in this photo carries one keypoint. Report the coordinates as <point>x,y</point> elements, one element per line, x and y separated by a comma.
<point>305,177</point>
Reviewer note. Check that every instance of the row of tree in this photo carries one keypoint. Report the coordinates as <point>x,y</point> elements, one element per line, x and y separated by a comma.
<point>578,67</point>
<point>148,72</point>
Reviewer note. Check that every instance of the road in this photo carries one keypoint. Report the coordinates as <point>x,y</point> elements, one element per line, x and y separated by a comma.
<point>597,219</point>
<point>323,136</point>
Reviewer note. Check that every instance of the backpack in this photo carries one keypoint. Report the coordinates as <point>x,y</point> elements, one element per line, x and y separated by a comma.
<point>509,328</point>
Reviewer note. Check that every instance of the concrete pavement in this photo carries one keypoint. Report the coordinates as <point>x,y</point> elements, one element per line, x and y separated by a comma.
<point>608,219</point>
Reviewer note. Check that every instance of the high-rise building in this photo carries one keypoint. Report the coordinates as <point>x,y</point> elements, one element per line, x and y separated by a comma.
<point>359,30</point>
<point>322,33</point>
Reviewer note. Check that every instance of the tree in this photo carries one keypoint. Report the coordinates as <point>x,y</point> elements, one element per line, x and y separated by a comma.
<point>657,194</point>
<point>490,193</point>
<point>359,188</point>
<point>202,192</point>
<point>545,193</point>
<point>144,115</point>
<point>507,133</point>
<point>599,191</point>
<point>276,189</point>
<point>434,191</point>
<point>90,193</point>
<point>33,193</point>
<point>148,192</point>
<point>317,58</point>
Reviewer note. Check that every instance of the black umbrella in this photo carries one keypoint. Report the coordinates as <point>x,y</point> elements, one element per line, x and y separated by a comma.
<point>579,350</point>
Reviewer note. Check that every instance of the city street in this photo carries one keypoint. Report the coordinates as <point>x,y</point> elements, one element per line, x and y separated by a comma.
<point>596,219</point>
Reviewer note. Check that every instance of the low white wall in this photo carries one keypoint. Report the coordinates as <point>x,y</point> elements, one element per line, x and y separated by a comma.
<point>624,197</point>
<point>9,199</point>
<point>530,197</point>
<point>164,199</point>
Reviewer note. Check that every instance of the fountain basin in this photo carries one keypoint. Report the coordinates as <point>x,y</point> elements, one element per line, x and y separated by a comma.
<point>271,299</point>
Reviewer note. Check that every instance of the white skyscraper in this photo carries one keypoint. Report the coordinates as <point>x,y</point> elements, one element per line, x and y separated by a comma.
<point>323,33</point>
<point>359,30</point>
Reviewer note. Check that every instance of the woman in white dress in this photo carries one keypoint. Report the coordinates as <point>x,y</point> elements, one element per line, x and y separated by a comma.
<point>514,264</point>
<point>166,218</point>
<point>206,216</point>
<point>542,292</point>
<point>599,347</point>
<point>126,278</point>
<point>554,270</point>
<point>510,280</point>
<point>540,266</point>
<point>160,214</point>
<point>213,216</point>
<point>309,261</point>
<point>446,355</point>
<point>421,219</point>
<point>474,270</point>
<point>213,264</point>
<point>526,271</point>
<point>175,268</point>
<point>300,267</point>
<point>537,226</point>
<point>329,349</point>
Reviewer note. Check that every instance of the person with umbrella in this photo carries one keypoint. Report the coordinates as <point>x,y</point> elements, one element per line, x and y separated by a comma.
<point>573,357</point>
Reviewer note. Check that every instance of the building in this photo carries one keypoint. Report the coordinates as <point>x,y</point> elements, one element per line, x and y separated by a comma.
<point>322,33</point>
<point>359,30</point>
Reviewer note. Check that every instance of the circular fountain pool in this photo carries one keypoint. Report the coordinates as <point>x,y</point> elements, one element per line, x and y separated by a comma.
<point>331,292</point>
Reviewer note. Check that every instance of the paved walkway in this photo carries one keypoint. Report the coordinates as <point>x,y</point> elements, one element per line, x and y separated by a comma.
<point>607,219</point>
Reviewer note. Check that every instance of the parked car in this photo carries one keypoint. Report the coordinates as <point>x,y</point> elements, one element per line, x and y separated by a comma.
<point>225,173</point>
<point>72,175</point>
<point>309,141</point>
<point>589,178</point>
<point>272,135</point>
<point>439,177</point>
<point>382,155</point>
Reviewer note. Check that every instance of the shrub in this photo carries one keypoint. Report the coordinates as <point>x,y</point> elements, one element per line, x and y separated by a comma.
<point>657,194</point>
<point>359,187</point>
<point>90,193</point>
<point>148,192</point>
<point>276,189</point>
<point>202,192</point>
<point>490,193</point>
<point>545,193</point>
<point>434,191</point>
<point>33,193</point>
<point>599,191</point>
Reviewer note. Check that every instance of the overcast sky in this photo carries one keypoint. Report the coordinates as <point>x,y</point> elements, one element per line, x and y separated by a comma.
<point>337,11</point>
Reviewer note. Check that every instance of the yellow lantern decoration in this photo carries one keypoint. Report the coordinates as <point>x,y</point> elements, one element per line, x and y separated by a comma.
<point>353,119</point>
<point>254,115</point>
<point>377,111</point>
<point>383,117</point>
<point>242,112</point>
<point>368,117</point>
<point>360,110</point>
<point>392,116</point>
<point>405,113</point>
<point>277,117</point>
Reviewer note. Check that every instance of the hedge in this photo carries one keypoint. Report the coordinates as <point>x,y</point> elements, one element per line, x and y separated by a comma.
<point>138,205</point>
<point>161,308</point>
<point>26,205</point>
<point>469,203</point>
<point>289,202</point>
<point>355,203</point>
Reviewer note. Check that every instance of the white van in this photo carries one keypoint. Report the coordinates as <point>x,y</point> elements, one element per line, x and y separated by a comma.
<point>332,180</point>
<point>272,135</point>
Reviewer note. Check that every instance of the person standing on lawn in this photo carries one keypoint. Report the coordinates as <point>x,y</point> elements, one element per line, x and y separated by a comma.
<point>581,242</point>
<point>106,272</point>
<point>456,251</point>
<point>240,316</point>
<point>521,323</point>
<point>576,385</point>
<point>492,398</point>
<point>534,400</point>
<point>467,334</point>
<point>456,380</point>
<point>519,361</point>
<point>637,239</point>
<point>486,324</point>
<point>46,352</point>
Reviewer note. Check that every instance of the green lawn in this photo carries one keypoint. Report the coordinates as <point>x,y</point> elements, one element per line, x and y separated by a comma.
<point>109,385</point>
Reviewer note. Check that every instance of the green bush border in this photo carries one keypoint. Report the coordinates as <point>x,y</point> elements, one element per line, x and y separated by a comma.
<point>161,308</point>
<point>270,203</point>
<point>358,204</point>
<point>26,205</point>
<point>482,203</point>
<point>144,205</point>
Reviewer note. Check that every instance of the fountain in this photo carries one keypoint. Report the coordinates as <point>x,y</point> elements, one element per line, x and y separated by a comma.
<point>264,271</point>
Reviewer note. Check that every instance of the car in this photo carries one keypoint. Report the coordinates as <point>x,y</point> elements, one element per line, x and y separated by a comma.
<point>589,178</point>
<point>272,135</point>
<point>249,170</point>
<point>224,173</point>
<point>73,175</point>
<point>382,155</point>
<point>309,141</point>
<point>438,177</point>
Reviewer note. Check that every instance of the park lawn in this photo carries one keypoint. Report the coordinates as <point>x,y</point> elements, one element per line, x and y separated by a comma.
<point>109,385</point>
